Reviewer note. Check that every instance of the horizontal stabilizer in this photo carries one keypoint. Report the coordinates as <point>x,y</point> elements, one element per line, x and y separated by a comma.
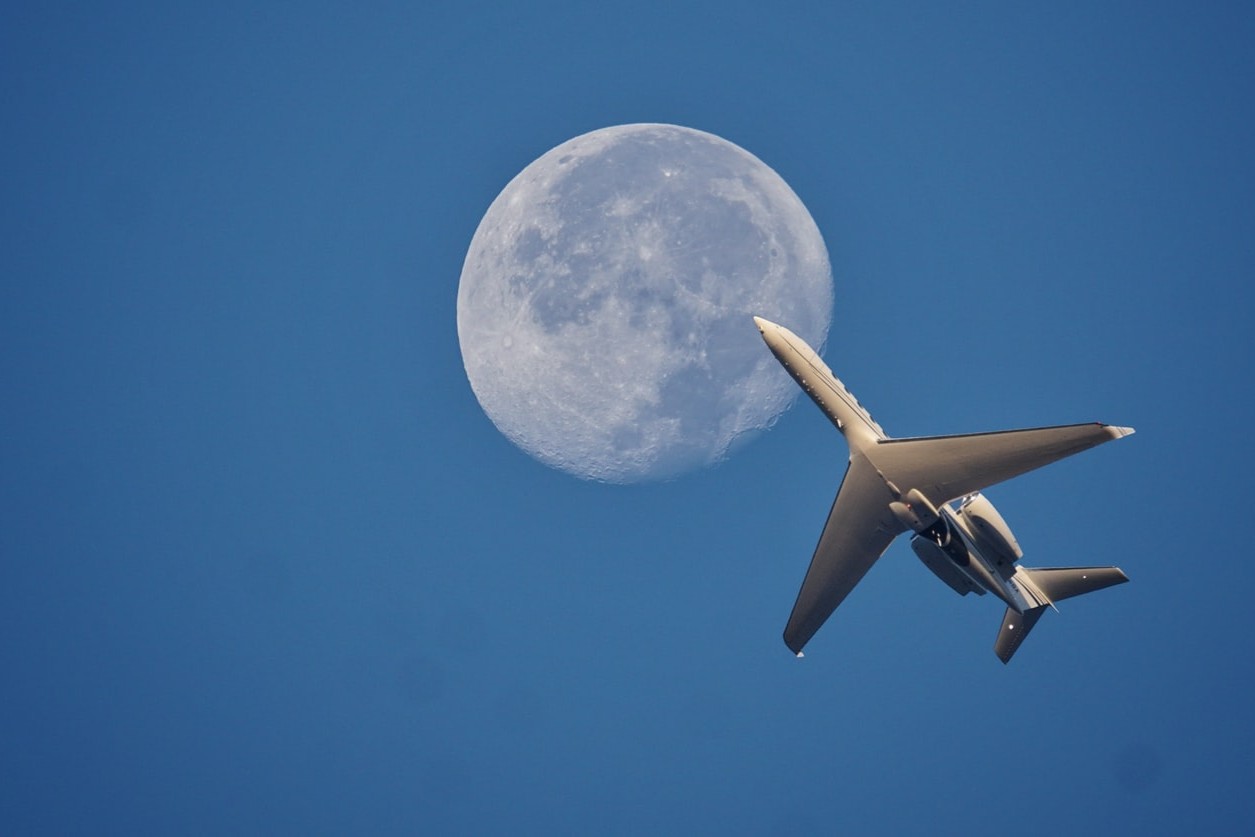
<point>1059,583</point>
<point>1015,626</point>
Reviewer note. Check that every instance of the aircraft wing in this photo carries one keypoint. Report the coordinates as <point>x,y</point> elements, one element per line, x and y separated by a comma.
<point>860,528</point>
<point>947,467</point>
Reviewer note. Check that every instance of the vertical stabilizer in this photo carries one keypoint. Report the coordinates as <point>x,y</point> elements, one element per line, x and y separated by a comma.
<point>1015,626</point>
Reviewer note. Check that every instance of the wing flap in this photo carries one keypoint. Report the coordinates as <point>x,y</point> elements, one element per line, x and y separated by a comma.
<point>947,467</point>
<point>859,529</point>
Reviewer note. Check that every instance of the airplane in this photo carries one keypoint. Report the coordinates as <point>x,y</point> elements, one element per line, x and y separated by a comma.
<point>895,485</point>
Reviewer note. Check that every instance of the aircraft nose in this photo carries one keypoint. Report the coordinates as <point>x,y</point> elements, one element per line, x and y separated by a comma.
<point>762,324</point>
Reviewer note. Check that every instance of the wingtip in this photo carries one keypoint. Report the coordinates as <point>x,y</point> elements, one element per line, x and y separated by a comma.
<point>794,647</point>
<point>1120,432</point>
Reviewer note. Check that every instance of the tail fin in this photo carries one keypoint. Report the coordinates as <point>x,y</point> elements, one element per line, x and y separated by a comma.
<point>1049,585</point>
<point>1059,583</point>
<point>1015,626</point>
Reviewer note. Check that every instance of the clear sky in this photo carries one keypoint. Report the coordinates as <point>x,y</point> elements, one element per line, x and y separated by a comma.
<point>268,568</point>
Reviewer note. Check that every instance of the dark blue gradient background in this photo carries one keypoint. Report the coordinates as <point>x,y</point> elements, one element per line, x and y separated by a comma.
<point>268,568</point>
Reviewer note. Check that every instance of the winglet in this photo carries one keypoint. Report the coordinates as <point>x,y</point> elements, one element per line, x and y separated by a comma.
<point>1119,432</point>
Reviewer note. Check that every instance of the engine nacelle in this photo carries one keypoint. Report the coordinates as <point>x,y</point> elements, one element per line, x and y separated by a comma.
<point>990,532</point>
<point>939,561</point>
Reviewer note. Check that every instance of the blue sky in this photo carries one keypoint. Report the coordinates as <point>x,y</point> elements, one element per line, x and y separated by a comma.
<point>269,569</point>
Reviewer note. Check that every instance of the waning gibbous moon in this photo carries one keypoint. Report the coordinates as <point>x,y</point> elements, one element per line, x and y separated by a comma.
<point>605,306</point>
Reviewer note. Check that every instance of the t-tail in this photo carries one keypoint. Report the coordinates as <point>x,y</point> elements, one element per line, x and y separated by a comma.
<point>1047,585</point>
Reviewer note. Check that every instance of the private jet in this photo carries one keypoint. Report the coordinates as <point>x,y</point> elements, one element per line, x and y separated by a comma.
<point>930,486</point>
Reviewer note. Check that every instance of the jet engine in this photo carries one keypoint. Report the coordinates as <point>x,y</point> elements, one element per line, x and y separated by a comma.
<point>990,532</point>
<point>939,561</point>
<point>948,540</point>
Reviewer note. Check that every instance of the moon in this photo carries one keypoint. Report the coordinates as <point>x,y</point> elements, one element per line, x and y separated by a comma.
<point>605,305</point>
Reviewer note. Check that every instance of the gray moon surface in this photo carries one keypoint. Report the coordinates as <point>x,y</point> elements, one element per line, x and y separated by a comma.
<point>605,305</point>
